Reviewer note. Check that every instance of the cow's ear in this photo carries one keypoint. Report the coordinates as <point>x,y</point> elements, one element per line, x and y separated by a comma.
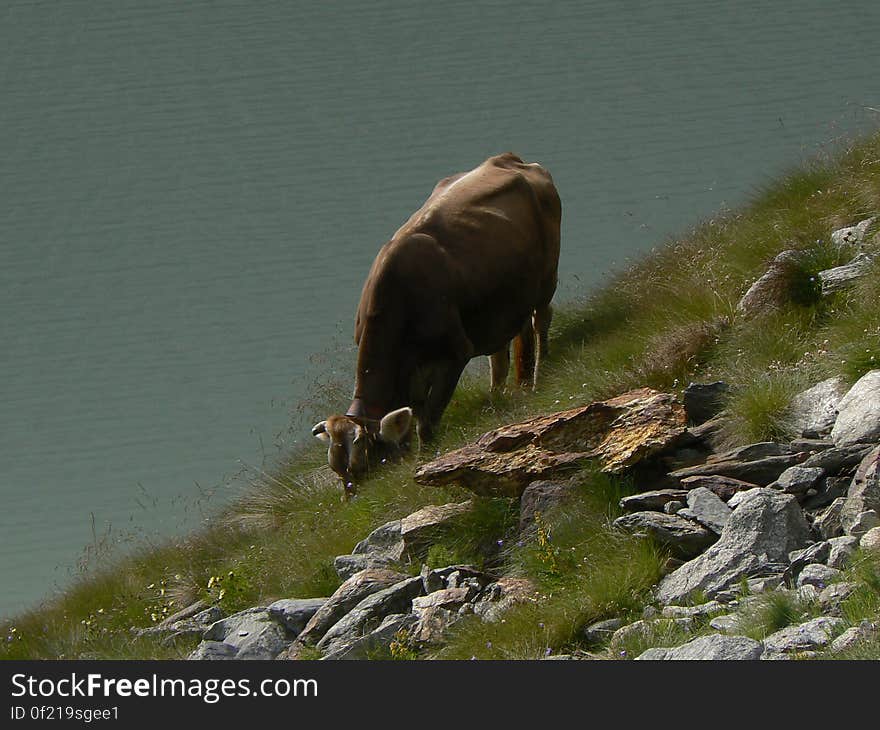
<point>319,431</point>
<point>395,425</point>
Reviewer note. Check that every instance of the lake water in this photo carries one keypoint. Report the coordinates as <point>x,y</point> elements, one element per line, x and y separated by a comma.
<point>191,195</point>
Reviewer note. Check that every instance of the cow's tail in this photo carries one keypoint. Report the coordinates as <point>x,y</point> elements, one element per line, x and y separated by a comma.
<point>530,347</point>
<point>525,355</point>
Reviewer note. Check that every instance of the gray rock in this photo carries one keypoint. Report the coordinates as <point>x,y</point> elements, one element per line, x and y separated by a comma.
<point>871,540</point>
<point>854,636</point>
<point>726,624</point>
<point>813,634</point>
<point>852,235</point>
<point>842,550</point>
<point>723,487</point>
<point>814,410</point>
<point>602,631</point>
<point>345,598</point>
<point>252,633</point>
<point>708,509</point>
<point>712,647</point>
<point>813,445</point>
<point>295,613</point>
<point>702,609</point>
<point>542,497</point>
<point>423,528</point>
<point>816,574</point>
<point>830,598</point>
<point>765,527</point>
<point>864,522</point>
<point>828,489</point>
<point>838,458</point>
<point>858,418</point>
<point>841,277</point>
<point>818,552</point>
<point>798,479</point>
<point>827,524</point>
<point>448,598</point>
<point>347,566</point>
<point>760,471</point>
<point>674,507</point>
<point>191,621</point>
<point>863,495</point>
<point>647,629</point>
<point>385,538</point>
<point>379,638</point>
<point>655,500</point>
<point>765,583</point>
<point>219,630</point>
<point>368,614</point>
<point>703,401</point>
<point>773,288</point>
<point>683,537</point>
<point>501,595</point>
<point>213,651</point>
<point>752,452</point>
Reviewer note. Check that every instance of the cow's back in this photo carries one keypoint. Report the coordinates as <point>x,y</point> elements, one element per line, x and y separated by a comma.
<point>486,241</point>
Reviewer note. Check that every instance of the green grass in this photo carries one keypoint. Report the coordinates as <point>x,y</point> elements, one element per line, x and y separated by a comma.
<point>667,319</point>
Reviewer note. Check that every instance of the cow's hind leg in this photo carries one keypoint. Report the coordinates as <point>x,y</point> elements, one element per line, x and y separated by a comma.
<point>524,355</point>
<point>541,320</point>
<point>499,367</point>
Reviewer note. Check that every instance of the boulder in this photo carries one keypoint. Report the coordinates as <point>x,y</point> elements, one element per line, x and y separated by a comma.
<point>617,433</point>
<point>423,528</point>
<point>655,500</point>
<point>727,623</point>
<point>295,613</point>
<point>601,631</point>
<point>382,548</point>
<point>854,636</point>
<point>346,597</point>
<point>708,509</point>
<point>842,550</point>
<point>816,574</point>
<point>701,609</point>
<point>838,459</point>
<point>871,540</point>
<point>703,401</point>
<point>814,410</point>
<point>853,235</point>
<point>810,635</point>
<point>724,487</point>
<point>252,633</point>
<point>858,418</point>
<point>798,479</point>
<point>773,288</point>
<point>712,647</point>
<point>842,277</point>
<point>863,496</point>
<point>368,614</point>
<point>831,597</point>
<point>765,527</point>
<point>543,496</point>
<point>684,537</point>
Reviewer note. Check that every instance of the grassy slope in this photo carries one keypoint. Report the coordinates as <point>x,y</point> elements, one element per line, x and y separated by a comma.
<point>667,319</point>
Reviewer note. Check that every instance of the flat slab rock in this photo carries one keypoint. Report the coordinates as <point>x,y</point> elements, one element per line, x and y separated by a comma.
<point>617,433</point>
<point>858,416</point>
<point>684,537</point>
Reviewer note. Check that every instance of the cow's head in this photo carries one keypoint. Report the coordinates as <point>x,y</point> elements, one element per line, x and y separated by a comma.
<point>353,442</point>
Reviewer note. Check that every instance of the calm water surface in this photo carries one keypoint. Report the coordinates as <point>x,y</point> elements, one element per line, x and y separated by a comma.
<point>191,195</point>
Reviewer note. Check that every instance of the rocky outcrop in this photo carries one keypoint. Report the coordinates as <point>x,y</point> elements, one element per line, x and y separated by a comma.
<point>617,433</point>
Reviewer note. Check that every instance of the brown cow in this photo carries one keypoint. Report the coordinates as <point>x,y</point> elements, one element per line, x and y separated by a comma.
<point>473,269</point>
